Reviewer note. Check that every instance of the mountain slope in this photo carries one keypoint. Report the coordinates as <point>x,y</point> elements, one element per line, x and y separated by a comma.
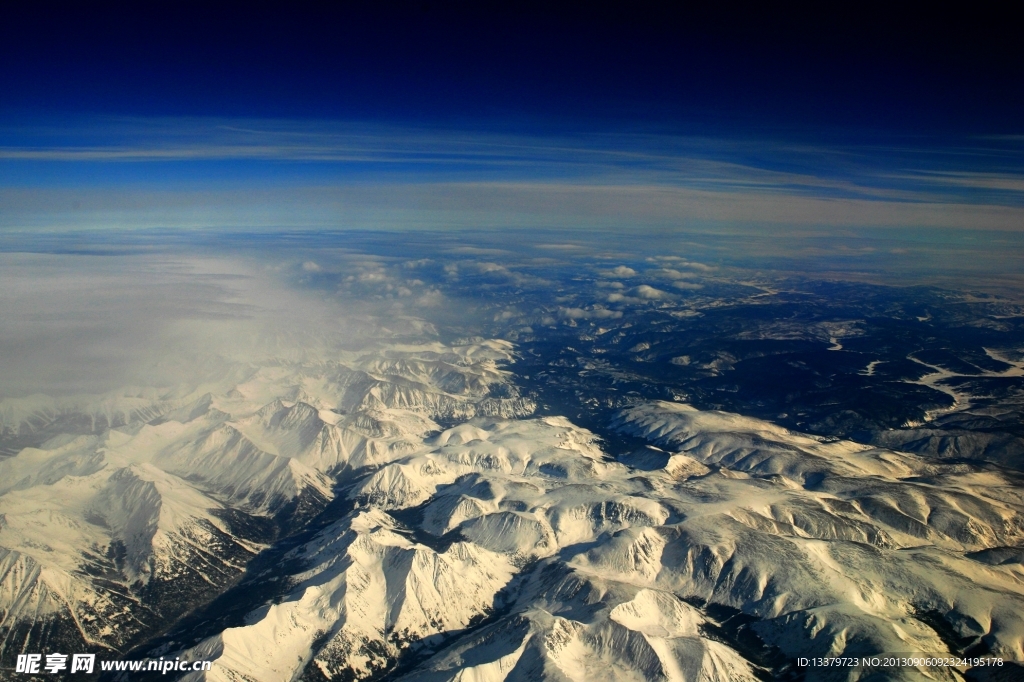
<point>154,500</point>
<point>749,546</point>
<point>502,547</point>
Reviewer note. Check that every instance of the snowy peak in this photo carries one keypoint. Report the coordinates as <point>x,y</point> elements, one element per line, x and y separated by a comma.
<point>372,591</point>
<point>756,446</point>
<point>42,416</point>
<point>504,547</point>
<point>133,495</point>
<point>84,549</point>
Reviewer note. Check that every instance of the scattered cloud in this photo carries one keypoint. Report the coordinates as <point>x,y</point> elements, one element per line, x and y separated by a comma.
<point>414,179</point>
<point>619,271</point>
<point>431,299</point>
<point>1005,182</point>
<point>478,251</point>
<point>92,323</point>
<point>670,273</point>
<point>650,293</point>
<point>562,247</point>
<point>485,268</point>
<point>643,293</point>
<point>499,271</point>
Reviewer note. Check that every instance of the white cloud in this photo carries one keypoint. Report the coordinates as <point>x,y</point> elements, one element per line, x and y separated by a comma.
<point>619,271</point>
<point>86,324</point>
<point>430,299</point>
<point>485,268</point>
<point>478,251</point>
<point>642,180</point>
<point>679,262</point>
<point>670,273</point>
<point>562,247</point>
<point>494,270</point>
<point>650,293</point>
<point>643,293</point>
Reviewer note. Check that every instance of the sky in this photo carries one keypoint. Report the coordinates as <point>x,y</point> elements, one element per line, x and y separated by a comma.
<point>143,150</point>
<point>535,66</point>
<point>423,115</point>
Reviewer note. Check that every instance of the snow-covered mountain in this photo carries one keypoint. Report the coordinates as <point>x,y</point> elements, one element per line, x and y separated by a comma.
<point>154,500</point>
<point>726,549</point>
<point>491,498</point>
<point>475,542</point>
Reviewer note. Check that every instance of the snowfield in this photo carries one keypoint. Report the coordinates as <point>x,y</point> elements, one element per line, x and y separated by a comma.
<point>503,547</point>
<point>154,500</point>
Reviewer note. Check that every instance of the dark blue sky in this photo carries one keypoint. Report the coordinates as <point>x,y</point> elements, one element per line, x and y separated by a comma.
<point>638,66</point>
<point>437,115</point>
